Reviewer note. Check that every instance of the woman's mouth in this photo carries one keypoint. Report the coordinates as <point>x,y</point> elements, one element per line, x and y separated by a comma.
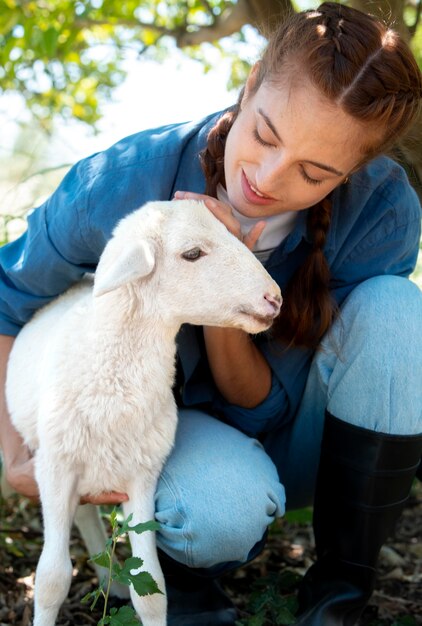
<point>252,194</point>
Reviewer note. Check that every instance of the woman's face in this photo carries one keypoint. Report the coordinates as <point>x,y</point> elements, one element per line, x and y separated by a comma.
<point>287,149</point>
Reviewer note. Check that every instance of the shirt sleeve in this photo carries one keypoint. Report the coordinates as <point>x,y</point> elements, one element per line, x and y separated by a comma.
<point>260,419</point>
<point>385,241</point>
<point>49,257</point>
<point>289,371</point>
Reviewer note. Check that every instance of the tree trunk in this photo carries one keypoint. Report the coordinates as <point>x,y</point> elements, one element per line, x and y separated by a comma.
<point>409,152</point>
<point>265,15</point>
<point>262,14</point>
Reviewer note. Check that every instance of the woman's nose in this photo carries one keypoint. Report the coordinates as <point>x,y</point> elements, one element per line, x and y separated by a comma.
<point>270,173</point>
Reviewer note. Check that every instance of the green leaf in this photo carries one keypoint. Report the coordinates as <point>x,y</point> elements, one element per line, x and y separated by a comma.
<point>299,516</point>
<point>405,620</point>
<point>139,528</point>
<point>254,620</point>
<point>50,41</point>
<point>93,597</point>
<point>284,617</point>
<point>287,580</point>
<point>142,582</point>
<point>142,527</point>
<point>124,616</point>
<point>113,519</point>
<point>102,559</point>
<point>133,562</point>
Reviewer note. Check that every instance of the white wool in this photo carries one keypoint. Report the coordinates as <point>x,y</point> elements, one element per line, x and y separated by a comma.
<point>89,382</point>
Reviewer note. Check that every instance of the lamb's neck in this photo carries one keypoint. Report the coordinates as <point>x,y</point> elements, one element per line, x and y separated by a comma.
<point>124,333</point>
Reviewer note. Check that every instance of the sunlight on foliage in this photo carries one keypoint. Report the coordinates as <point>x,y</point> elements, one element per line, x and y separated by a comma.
<point>66,58</point>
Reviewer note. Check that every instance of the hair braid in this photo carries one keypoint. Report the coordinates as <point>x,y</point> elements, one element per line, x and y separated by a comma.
<point>212,157</point>
<point>308,309</point>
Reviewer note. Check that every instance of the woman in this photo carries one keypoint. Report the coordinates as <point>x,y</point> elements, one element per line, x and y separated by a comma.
<point>294,171</point>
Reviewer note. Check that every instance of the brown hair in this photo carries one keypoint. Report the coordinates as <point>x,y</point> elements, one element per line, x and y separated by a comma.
<point>360,64</point>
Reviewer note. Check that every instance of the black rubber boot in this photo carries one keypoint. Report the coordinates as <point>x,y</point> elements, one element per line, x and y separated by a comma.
<point>364,480</point>
<point>419,472</point>
<point>194,600</point>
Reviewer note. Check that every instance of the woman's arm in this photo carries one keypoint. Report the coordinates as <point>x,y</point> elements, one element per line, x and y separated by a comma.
<point>17,460</point>
<point>240,371</point>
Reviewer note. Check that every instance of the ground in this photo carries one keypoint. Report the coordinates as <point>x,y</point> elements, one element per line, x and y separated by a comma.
<point>397,600</point>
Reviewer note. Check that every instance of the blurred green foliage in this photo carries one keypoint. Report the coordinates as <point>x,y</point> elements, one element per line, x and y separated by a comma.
<point>65,57</point>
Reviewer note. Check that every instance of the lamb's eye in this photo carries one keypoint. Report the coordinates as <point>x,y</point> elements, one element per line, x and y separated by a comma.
<point>193,255</point>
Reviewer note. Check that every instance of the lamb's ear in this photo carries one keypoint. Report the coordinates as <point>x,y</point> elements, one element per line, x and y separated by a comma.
<point>120,265</point>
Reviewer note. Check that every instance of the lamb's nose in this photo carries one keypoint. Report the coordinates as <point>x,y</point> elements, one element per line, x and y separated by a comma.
<point>275,301</point>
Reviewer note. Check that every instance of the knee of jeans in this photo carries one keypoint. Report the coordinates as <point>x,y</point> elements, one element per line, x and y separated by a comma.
<point>389,303</point>
<point>219,524</point>
<point>374,377</point>
<point>381,316</point>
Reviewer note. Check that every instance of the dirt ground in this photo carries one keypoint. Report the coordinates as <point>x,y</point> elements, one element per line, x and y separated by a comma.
<point>397,600</point>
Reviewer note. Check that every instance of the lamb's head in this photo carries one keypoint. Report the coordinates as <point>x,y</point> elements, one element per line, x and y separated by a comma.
<point>187,268</point>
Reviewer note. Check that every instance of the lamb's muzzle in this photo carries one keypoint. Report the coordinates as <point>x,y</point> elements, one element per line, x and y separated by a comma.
<point>275,301</point>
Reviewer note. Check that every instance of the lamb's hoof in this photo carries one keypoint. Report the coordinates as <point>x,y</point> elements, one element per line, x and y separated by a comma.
<point>206,606</point>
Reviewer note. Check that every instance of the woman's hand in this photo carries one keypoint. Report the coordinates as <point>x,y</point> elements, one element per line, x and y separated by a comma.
<point>109,497</point>
<point>20,474</point>
<point>21,478</point>
<point>224,213</point>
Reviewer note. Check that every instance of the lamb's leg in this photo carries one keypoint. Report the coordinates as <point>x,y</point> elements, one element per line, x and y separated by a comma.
<point>152,608</point>
<point>54,571</point>
<point>90,525</point>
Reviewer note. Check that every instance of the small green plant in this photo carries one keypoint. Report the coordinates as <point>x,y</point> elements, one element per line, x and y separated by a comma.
<point>404,620</point>
<point>273,600</point>
<point>142,582</point>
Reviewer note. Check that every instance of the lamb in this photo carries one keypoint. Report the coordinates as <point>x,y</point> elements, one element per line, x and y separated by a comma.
<point>89,380</point>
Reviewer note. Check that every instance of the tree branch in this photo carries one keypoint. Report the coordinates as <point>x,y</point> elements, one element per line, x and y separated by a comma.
<point>229,22</point>
<point>208,7</point>
<point>89,23</point>
<point>412,29</point>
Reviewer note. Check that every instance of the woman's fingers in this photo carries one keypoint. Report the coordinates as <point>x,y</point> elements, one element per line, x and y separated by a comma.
<point>221,211</point>
<point>254,234</point>
<point>190,195</point>
<point>111,497</point>
<point>20,475</point>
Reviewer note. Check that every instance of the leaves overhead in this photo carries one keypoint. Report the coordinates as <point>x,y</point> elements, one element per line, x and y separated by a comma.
<point>66,57</point>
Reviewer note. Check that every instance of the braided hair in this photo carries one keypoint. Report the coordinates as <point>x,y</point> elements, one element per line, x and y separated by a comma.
<point>360,64</point>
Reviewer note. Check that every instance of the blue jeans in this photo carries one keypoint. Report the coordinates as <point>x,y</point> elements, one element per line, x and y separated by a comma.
<point>220,489</point>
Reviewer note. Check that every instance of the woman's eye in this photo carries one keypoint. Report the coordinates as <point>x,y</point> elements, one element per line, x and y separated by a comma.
<point>309,180</point>
<point>193,255</point>
<point>261,141</point>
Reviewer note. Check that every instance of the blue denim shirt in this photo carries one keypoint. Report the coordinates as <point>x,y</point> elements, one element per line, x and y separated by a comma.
<point>375,230</point>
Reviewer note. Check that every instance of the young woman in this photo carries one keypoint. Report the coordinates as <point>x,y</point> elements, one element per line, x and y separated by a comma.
<point>327,407</point>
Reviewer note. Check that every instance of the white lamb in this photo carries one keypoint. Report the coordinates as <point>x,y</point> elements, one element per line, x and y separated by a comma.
<point>89,382</point>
